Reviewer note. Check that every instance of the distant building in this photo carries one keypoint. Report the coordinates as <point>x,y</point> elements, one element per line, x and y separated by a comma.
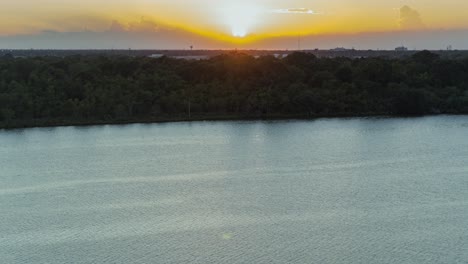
<point>155,56</point>
<point>402,48</point>
<point>181,57</point>
<point>192,57</point>
<point>280,55</point>
<point>340,49</point>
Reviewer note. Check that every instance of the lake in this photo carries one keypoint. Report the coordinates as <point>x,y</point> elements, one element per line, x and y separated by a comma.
<point>359,190</point>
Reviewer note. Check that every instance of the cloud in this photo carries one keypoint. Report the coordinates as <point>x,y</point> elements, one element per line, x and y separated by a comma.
<point>180,39</point>
<point>49,31</point>
<point>144,25</point>
<point>410,19</point>
<point>143,34</point>
<point>306,11</point>
<point>424,39</point>
<point>116,26</point>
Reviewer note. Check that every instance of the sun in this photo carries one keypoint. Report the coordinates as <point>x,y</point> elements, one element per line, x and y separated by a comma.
<point>238,30</point>
<point>241,18</point>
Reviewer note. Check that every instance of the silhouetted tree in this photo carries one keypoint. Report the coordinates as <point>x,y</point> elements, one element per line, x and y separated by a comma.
<point>87,89</point>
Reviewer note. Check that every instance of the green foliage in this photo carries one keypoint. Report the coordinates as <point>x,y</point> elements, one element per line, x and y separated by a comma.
<point>425,57</point>
<point>6,115</point>
<point>112,89</point>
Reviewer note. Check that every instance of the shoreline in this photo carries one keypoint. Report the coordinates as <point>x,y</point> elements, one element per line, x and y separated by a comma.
<point>201,118</point>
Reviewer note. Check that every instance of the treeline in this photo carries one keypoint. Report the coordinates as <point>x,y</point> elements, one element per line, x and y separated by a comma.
<point>100,89</point>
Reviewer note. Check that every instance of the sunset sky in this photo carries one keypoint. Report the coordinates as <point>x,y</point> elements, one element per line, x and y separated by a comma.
<point>227,23</point>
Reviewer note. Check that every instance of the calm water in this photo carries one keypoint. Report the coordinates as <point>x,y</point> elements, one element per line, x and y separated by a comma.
<point>325,191</point>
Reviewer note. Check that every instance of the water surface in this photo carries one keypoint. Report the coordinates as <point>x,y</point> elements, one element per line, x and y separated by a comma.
<point>324,191</point>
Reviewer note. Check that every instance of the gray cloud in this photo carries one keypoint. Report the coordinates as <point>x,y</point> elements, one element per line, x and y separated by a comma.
<point>179,39</point>
<point>143,25</point>
<point>410,19</point>
<point>116,26</point>
<point>143,34</point>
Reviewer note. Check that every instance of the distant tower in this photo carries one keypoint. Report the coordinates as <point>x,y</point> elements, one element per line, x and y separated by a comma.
<point>191,47</point>
<point>401,48</point>
<point>449,47</point>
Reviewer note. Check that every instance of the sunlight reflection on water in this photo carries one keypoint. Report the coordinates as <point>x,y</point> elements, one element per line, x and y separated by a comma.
<point>324,191</point>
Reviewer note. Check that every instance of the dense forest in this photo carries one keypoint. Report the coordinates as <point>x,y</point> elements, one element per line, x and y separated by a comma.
<point>113,89</point>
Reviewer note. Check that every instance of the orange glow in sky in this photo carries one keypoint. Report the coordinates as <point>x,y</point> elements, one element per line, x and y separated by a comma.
<point>234,21</point>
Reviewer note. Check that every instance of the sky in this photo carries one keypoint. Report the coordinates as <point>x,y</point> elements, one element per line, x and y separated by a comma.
<point>208,24</point>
